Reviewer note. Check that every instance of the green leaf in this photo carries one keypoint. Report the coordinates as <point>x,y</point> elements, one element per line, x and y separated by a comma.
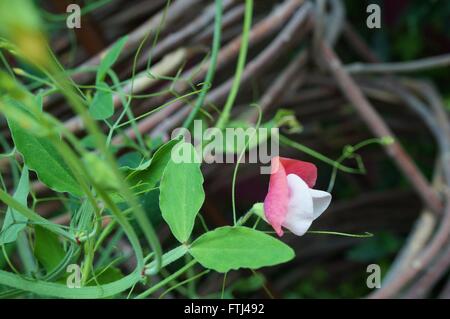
<point>130,160</point>
<point>15,222</point>
<point>106,275</point>
<point>22,25</point>
<point>100,171</point>
<point>47,248</point>
<point>228,248</point>
<point>18,16</point>
<point>40,155</point>
<point>110,58</point>
<point>88,142</point>
<point>149,173</point>
<point>150,203</point>
<point>102,106</point>
<point>9,248</point>
<point>249,284</point>
<point>181,195</point>
<point>16,111</point>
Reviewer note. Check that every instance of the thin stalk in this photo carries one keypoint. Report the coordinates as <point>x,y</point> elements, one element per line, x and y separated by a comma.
<point>189,280</point>
<point>89,258</point>
<point>31,215</point>
<point>162,283</point>
<point>241,155</point>
<point>225,115</point>
<point>212,64</point>
<point>302,148</point>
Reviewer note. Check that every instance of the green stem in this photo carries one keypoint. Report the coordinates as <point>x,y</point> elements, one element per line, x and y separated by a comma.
<point>168,258</point>
<point>191,283</point>
<point>104,234</point>
<point>349,152</point>
<point>326,232</point>
<point>31,215</point>
<point>223,119</point>
<point>189,280</point>
<point>224,282</point>
<point>313,153</point>
<point>212,65</point>
<point>241,155</point>
<point>25,253</point>
<point>162,283</point>
<point>89,257</point>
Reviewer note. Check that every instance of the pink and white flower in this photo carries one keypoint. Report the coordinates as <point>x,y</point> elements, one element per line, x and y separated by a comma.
<point>291,202</point>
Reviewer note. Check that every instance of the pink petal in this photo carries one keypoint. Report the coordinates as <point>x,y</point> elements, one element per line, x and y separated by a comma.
<point>277,198</point>
<point>305,170</point>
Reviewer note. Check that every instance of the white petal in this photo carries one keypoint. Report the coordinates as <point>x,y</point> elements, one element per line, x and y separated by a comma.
<point>300,213</point>
<point>321,201</point>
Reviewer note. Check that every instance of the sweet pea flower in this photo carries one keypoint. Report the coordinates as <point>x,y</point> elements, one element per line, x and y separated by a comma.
<point>291,201</point>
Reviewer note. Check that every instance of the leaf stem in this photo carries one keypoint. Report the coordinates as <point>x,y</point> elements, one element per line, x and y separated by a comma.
<point>302,148</point>
<point>162,283</point>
